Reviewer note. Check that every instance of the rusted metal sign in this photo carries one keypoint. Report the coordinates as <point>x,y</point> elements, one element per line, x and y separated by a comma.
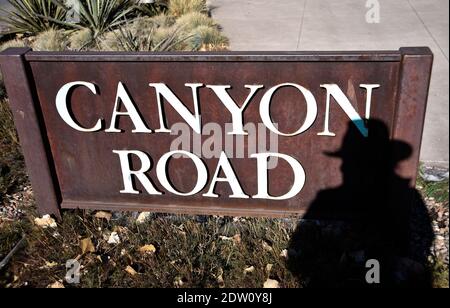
<point>261,134</point>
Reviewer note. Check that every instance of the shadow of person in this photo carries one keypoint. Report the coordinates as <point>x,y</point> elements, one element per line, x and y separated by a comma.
<point>374,215</point>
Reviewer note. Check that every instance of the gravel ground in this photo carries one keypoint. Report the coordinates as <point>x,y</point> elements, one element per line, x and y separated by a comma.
<point>12,208</point>
<point>440,221</point>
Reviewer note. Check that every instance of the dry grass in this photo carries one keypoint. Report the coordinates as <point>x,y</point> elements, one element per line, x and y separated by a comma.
<point>13,43</point>
<point>51,40</point>
<point>181,7</point>
<point>436,190</point>
<point>81,39</point>
<point>12,169</point>
<point>440,275</point>
<point>190,21</point>
<point>189,252</point>
<point>8,132</point>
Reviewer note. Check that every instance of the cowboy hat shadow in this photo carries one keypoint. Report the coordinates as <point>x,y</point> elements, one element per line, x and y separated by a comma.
<point>372,230</point>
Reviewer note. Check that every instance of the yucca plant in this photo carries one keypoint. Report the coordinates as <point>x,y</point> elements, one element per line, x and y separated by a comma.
<point>98,16</point>
<point>153,8</point>
<point>32,16</point>
<point>129,41</point>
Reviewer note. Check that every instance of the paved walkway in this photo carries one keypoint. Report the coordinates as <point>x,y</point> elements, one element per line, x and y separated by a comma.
<point>6,6</point>
<point>341,25</point>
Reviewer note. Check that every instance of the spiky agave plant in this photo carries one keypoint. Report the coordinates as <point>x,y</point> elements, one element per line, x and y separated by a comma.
<point>32,16</point>
<point>98,16</point>
<point>129,41</point>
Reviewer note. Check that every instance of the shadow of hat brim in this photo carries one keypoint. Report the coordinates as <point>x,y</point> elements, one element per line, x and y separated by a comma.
<point>336,154</point>
<point>399,151</point>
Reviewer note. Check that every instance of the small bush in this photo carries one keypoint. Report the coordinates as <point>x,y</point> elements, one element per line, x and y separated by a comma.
<point>163,20</point>
<point>193,20</point>
<point>207,39</point>
<point>144,26</point>
<point>146,34</point>
<point>109,42</point>
<point>181,7</point>
<point>13,44</point>
<point>51,40</point>
<point>141,27</point>
<point>81,39</point>
<point>162,33</point>
<point>203,33</point>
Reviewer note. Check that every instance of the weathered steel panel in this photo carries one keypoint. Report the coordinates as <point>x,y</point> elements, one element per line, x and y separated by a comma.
<point>88,174</point>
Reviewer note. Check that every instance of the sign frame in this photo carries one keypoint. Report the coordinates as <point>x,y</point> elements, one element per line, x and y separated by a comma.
<point>411,99</point>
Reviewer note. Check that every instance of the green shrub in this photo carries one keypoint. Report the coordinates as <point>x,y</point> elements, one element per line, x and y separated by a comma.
<point>171,38</point>
<point>206,38</point>
<point>51,40</point>
<point>203,32</point>
<point>161,33</point>
<point>33,16</point>
<point>181,7</point>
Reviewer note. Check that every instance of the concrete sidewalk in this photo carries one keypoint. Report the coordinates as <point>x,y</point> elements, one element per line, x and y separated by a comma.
<point>341,25</point>
<point>4,5</point>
